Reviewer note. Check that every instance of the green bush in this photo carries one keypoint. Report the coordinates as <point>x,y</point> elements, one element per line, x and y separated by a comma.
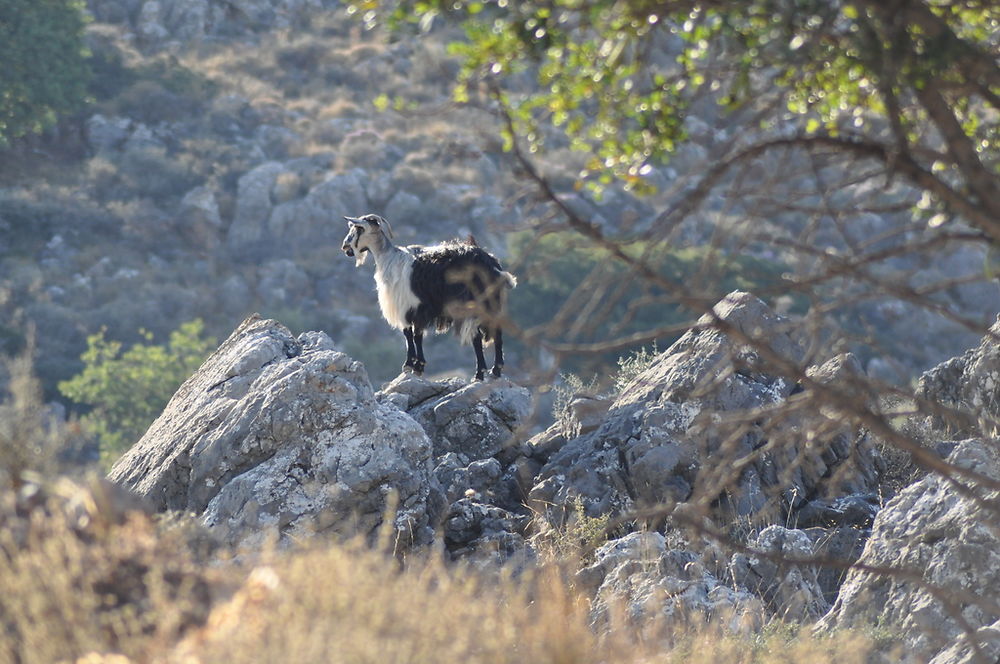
<point>128,389</point>
<point>45,72</point>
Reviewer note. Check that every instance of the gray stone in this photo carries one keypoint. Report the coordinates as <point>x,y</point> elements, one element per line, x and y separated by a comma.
<point>680,426</point>
<point>283,436</point>
<point>106,134</point>
<point>661,588</point>
<point>791,590</point>
<point>474,420</point>
<point>254,202</point>
<point>200,222</point>
<point>941,537</point>
<point>969,384</point>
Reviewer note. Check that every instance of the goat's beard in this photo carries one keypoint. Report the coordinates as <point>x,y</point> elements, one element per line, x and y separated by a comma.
<point>360,257</point>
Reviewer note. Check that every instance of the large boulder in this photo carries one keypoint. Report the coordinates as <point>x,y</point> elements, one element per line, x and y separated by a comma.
<point>278,435</point>
<point>706,423</point>
<point>939,537</point>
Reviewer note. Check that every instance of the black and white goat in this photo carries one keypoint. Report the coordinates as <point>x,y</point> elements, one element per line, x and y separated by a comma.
<point>455,285</point>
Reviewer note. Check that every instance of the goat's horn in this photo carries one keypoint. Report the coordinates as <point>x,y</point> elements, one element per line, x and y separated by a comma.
<point>351,219</point>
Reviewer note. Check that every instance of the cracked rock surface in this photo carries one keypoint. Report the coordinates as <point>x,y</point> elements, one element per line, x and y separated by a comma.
<point>282,435</point>
<point>945,544</point>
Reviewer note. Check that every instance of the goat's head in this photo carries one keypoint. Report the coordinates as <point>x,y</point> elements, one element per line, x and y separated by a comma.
<point>365,234</point>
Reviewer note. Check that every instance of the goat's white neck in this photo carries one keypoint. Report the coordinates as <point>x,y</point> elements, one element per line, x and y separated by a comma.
<point>393,271</point>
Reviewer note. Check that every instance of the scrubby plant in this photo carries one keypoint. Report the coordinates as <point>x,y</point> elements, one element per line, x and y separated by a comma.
<point>127,389</point>
<point>633,364</point>
<point>32,438</point>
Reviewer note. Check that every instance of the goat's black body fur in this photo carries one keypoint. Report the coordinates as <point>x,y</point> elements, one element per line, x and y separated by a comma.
<point>453,274</point>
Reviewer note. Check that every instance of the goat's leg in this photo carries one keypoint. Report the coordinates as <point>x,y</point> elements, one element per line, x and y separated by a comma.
<point>418,361</point>
<point>477,344</point>
<point>497,353</point>
<point>411,351</point>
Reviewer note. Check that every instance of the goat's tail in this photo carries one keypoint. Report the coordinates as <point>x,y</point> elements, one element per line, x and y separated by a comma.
<point>510,279</point>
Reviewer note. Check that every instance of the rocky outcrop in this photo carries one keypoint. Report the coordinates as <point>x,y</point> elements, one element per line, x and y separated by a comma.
<point>278,435</point>
<point>479,461</point>
<point>969,384</point>
<point>156,22</point>
<point>940,539</point>
<point>695,426</point>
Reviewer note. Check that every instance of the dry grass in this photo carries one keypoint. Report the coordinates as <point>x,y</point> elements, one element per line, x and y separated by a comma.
<point>86,579</point>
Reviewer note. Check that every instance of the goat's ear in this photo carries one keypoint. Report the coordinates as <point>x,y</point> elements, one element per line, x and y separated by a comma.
<point>384,225</point>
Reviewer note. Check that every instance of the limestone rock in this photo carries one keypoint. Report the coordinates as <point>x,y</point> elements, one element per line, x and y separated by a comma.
<point>474,420</point>
<point>662,587</point>
<point>254,202</point>
<point>938,535</point>
<point>792,591</point>
<point>681,426</point>
<point>969,383</point>
<point>280,435</point>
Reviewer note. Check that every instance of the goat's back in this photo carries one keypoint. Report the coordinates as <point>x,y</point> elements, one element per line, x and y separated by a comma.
<point>456,278</point>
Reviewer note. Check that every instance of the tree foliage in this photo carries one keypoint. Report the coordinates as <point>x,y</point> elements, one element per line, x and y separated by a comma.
<point>913,84</point>
<point>45,72</point>
<point>129,388</point>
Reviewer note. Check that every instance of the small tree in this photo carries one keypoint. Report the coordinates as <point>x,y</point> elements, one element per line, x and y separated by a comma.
<point>45,71</point>
<point>129,389</point>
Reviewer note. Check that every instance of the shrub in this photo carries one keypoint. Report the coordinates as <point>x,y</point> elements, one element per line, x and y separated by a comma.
<point>44,73</point>
<point>128,389</point>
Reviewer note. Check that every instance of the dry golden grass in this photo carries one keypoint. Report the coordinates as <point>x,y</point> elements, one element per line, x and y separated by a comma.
<point>85,580</point>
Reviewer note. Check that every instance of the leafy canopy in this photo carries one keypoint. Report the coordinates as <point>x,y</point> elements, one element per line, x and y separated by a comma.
<point>913,83</point>
<point>44,72</point>
<point>129,388</point>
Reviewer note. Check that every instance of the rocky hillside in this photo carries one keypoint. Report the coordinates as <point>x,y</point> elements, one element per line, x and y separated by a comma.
<point>712,487</point>
<point>227,138</point>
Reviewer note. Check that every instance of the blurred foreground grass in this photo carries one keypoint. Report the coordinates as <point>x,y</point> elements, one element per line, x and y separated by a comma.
<point>87,578</point>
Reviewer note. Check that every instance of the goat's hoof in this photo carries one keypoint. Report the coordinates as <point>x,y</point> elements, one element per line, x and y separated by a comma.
<point>496,371</point>
<point>408,368</point>
<point>479,376</point>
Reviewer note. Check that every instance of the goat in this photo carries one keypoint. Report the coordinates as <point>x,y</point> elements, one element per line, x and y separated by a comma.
<point>454,285</point>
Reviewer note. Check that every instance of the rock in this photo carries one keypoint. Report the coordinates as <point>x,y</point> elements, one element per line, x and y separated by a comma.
<point>938,536</point>
<point>200,222</point>
<point>148,26</point>
<point>681,426</point>
<point>662,588</point>
<point>852,511</point>
<point>248,230</point>
<point>404,206</point>
<point>841,547</point>
<point>106,134</point>
<point>281,281</point>
<point>476,528</point>
<point>969,383</point>
<point>473,420</point>
<point>962,651</point>
<point>792,591</point>
<point>280,435</point>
